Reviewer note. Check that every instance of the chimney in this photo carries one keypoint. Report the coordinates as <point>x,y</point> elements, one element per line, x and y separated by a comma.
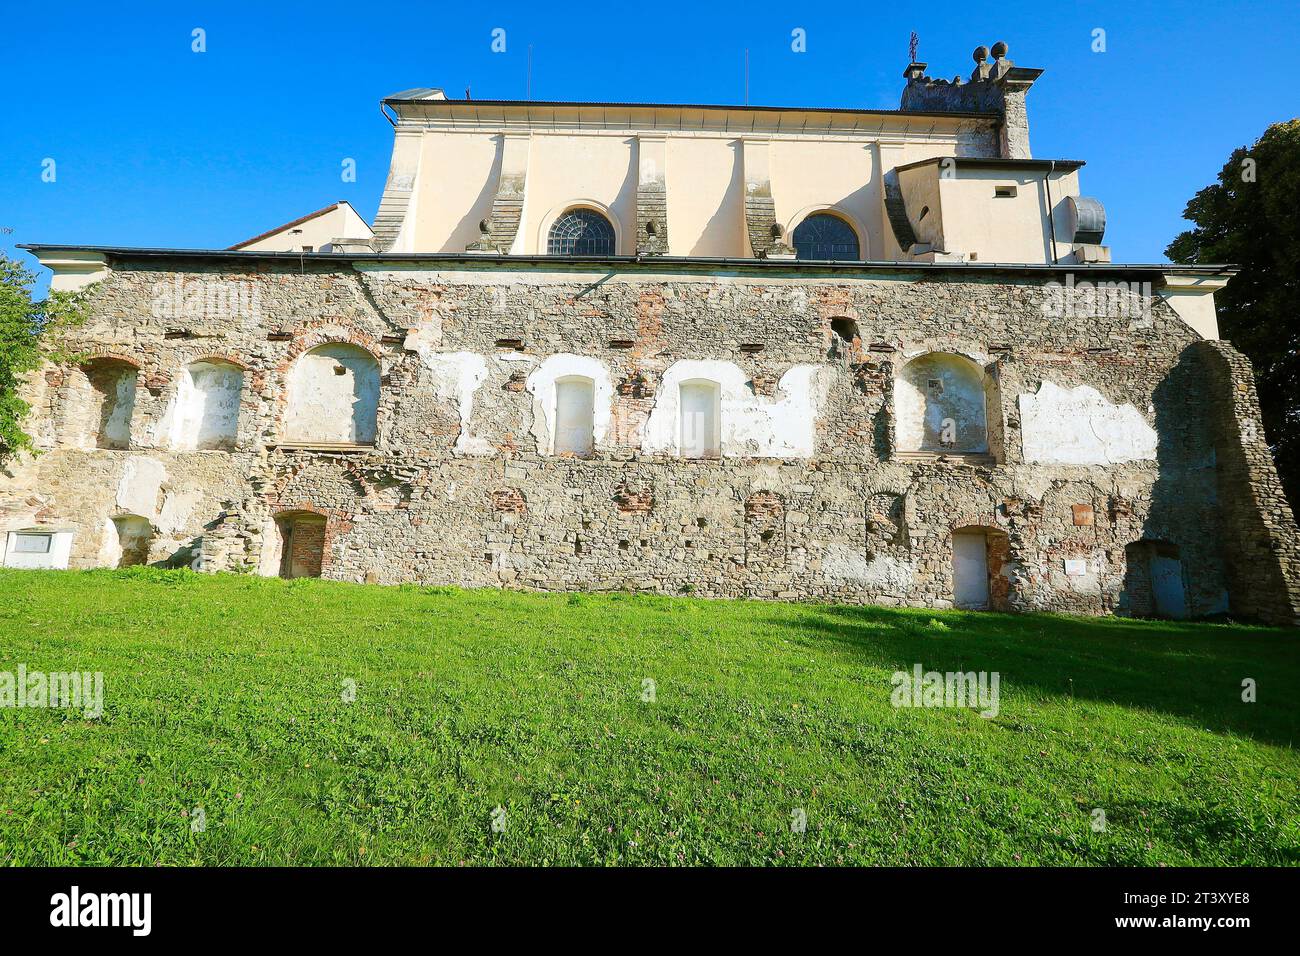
<point>999,87</point>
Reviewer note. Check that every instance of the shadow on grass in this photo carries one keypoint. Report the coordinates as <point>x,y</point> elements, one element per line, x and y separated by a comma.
<point>1190,671</point>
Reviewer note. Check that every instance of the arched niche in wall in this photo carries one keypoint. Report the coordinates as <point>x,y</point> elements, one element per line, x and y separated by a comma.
<point>941,403</point>
<point>333,398</point>
<point>700,430</point>
<point>130,540</point>
<point>205,409</point>
<point>572,404</point>
<point>100,404</point>
<point>575,407</point>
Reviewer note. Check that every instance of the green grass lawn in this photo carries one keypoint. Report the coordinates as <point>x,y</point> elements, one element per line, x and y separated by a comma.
<point>227,693</point>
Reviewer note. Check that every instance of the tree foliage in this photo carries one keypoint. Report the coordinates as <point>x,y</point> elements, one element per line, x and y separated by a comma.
<point>1251,217</point>
<point>31,333</point>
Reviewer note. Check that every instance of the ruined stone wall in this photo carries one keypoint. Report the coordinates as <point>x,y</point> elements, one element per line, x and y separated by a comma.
<point>1261,542</point>
<point>459,487</point>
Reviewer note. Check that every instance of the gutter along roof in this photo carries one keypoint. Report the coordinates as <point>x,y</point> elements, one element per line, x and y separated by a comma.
<point>643,263</point>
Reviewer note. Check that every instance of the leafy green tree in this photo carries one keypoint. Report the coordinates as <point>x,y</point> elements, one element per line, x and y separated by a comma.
<point>1251,217</point>
<point>30,332</point>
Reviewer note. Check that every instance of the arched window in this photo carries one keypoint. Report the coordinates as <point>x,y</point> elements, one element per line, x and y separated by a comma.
<point>581,232</point>
<point>940,406</point>
<point>825,236</point>
<point>701,419</point>
<point>333,396</point>
<point>575,411</point>
<point>205,412</point>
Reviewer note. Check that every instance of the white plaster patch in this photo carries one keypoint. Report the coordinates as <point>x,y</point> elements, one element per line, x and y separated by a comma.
<point>1078,426</point>
<point>268,561</point>
<point>541,384</point>
<point>138,488</point>
<point>177,510</point>
<point>881,573</point>
<point>752,425</point>
<point>456,377</point>
<point>120,395</point>
<point>204,413</point>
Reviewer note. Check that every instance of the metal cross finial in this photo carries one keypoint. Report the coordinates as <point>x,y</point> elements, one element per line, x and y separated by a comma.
<point>911,47</point>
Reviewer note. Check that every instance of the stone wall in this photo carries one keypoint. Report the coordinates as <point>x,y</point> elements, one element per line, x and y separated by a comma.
<point>458,487</point>
<point>1261,542</point>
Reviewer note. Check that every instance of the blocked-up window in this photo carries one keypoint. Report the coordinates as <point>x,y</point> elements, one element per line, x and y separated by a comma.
<point>205,412</point>
<point>333,397</point>
<point>940,405</point>
<point>701,419</point>
<point>575,408</point>
<point>109,404</point>
<point>302,544</point>
<point>133,539</point>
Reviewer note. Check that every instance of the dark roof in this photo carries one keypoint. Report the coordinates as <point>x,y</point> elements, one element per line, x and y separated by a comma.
<point>992,162</point>
<point>405,98</point>
<point>646,262</point>
<point>289,225</point>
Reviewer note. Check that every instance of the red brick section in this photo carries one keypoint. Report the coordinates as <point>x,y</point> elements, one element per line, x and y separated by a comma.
<point>508,501</point>
<point>870,377</point>
<point>1258,531</point>
<point>649,322</point>
<point>307,546</point>
<point>628,501</point>
<point>635,385</point>
<point>999,550</point>
<point>763,506</point>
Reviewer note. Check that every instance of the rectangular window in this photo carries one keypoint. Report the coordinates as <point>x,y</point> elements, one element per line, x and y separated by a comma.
<point>1004,192</point>
<point>32,543</point>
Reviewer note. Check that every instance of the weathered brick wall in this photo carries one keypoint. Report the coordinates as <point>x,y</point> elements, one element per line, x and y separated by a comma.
<point>855,522</point>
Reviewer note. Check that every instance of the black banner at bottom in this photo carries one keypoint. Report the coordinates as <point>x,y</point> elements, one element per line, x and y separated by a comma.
<point>333,906</point>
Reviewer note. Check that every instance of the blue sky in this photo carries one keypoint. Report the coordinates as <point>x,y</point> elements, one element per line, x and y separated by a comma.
<point>156,145</point>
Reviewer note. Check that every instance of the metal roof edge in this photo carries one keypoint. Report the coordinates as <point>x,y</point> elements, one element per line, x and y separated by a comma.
<point>675,262</point>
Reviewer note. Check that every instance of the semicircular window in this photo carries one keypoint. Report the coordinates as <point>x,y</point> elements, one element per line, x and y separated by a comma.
<point>581,232</point>
<point>824,236</point>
